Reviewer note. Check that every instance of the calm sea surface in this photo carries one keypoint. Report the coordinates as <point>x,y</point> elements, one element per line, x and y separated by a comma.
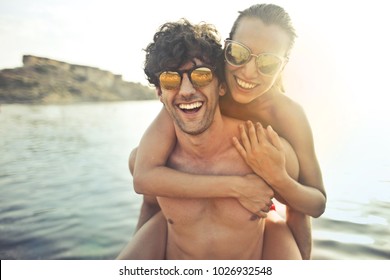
<point>66,193</point>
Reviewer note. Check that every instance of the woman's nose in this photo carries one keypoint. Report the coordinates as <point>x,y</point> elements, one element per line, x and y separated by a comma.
<point>249,70</point>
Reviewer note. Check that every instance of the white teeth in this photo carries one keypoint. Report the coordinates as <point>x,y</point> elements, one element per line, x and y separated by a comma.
<point>245,85</point>
<point>190,106</point>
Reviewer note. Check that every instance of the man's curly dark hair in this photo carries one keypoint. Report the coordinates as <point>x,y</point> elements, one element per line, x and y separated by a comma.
<point>177,43</point>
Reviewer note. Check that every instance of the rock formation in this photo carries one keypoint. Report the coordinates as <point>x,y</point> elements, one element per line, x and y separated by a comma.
<point>44,80</point>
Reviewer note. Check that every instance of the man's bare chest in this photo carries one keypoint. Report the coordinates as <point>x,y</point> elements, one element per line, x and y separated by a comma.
<point>190,210</point>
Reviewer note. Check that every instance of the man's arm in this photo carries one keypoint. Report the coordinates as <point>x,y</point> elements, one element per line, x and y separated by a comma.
<point>150,237</point>
<point>149,208</point>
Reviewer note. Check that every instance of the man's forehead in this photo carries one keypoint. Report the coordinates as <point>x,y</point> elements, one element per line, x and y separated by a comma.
<point>191,63</point>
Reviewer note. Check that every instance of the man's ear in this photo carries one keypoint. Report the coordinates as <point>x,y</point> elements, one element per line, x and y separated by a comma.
<point>222,89</point>
<point>159,93</point>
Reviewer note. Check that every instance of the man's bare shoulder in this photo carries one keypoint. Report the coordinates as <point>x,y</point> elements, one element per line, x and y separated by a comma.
<point>231,125</point>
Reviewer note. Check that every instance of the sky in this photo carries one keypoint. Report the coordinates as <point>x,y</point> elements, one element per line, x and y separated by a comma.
<point>110,34</point>
<point>338,67</point>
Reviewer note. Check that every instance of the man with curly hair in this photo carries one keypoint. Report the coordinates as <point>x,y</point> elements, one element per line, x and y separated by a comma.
<point>185,64</point>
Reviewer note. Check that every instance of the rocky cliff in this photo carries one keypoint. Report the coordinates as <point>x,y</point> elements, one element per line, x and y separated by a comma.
<point>44,80</point>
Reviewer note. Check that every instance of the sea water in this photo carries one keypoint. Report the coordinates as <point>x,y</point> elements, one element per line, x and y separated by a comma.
<point>66,192</point>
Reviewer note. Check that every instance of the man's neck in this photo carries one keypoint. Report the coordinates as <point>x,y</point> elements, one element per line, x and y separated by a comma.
<point>206,144</point>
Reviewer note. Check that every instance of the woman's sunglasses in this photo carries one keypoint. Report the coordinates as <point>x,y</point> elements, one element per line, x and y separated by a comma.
<point>237,54</point>
<point>199,76</point>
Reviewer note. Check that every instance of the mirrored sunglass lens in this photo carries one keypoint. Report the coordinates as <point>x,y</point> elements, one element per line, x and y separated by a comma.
<point>236,54</point>
<point>201,77</point>
<point>268,64</point>
<point>170,80</point>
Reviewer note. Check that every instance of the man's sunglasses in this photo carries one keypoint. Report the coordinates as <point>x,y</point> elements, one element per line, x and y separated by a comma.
<point>199,76</point>
<point>237,54</point>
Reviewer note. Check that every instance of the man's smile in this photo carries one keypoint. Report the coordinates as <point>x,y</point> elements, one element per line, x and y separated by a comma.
<point>190,107</point>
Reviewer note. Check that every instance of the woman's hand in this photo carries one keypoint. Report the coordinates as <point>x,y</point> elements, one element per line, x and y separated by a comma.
<point>255,195</point>
<point>262,150</point>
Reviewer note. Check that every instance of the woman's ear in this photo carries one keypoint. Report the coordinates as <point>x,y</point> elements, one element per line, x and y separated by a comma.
<point>279,83</point>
